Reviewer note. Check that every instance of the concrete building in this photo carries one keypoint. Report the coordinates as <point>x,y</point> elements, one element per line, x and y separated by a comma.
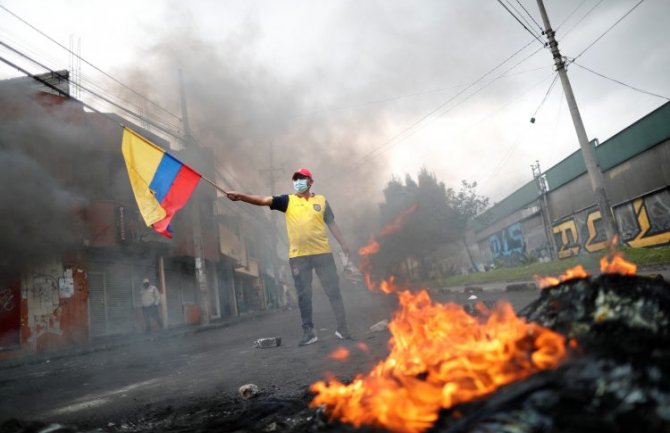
<point>556,213</point>
<point>73,269</point>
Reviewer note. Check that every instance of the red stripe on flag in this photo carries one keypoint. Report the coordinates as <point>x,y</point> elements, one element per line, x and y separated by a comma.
<point>179,193</point>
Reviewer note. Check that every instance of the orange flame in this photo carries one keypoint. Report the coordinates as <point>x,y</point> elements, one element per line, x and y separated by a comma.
<point>339,354</point>
<point>440,356</point>
<point>570,274</point>
<point>398,221</point>
<point>614,263</point>
<point>373,247</point>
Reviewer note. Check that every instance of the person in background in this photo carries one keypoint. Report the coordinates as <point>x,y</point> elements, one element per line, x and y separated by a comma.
<point>307,217</point>
<point>151,299</point>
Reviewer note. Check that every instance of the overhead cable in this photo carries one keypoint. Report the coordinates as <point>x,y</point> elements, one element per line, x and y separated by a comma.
<point>521,16</point>
<point>621,82</point>
<point>608,29</point>
<point>551,86</point>
<point>522,24</point>
<point>88,63</point>
<point>443,104</point>
<point>530,16</point>
<point>172,133</point>
<point>579,6</point>
<point>579,21</point>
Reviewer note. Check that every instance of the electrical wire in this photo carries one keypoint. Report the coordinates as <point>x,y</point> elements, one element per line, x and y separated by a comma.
<point>106,115</point>
<point>103,98</point>
<point>519,139</point>
<point>519,14</point>
<point>570,14</point>
<point>84,81</point>
<point>608,29</point>
<point>406,130</point>
<point>522,24</point>
<point>531,16</point>
<point>583,17</point>
<point>551,86</point>
<point>172,133</point>
<point>471,127</point>
<point>87,62</point>
<point>621,82</point>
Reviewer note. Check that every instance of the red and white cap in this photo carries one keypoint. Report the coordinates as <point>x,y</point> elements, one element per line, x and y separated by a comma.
<point>302,172</point>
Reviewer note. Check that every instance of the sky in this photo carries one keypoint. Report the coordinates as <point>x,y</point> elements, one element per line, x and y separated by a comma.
<point>359,91</point>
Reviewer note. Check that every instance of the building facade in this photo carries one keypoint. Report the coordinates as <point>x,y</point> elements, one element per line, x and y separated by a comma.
<point>75,273</point>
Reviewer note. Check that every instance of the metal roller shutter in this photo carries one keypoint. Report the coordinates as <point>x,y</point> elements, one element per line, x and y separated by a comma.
<point>120,314</point>
<point>97,304</point>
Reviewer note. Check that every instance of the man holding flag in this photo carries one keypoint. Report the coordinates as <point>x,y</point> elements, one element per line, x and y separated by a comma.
<point>307,216</point>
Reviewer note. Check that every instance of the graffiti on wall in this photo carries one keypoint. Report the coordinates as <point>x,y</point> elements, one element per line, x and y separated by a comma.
<point>43,306</point>
<point>507,242</point>
<point>642,222</point>
<point>645,221</point>
<point>581,232</point>
<point>10,313</point>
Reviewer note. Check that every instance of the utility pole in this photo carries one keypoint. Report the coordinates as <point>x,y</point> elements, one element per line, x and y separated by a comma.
<point>544,208</point>
<point>200,270</point>
<point>595,175</point>
<point>271,170</point>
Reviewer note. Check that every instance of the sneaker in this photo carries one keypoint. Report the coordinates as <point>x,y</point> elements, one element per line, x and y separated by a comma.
<point>309,337</point>
<point>343,334</point>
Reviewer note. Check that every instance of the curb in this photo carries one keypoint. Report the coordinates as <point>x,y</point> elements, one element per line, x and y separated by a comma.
<point>127,340</point>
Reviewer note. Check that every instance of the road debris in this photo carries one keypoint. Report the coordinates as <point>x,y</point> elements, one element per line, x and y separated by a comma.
<point>249,391</point>
<point>264,343</point>
<point>379,326</point>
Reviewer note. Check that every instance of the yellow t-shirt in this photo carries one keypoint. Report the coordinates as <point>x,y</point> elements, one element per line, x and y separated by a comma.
<point>306,224</point>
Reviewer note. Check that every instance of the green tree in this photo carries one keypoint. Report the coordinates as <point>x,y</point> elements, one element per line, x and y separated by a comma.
<point>441,217</point>
<point>467,204</point>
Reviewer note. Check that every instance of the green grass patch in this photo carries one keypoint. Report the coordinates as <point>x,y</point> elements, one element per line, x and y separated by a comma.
<point>647,256</point>
<point>641,256</point>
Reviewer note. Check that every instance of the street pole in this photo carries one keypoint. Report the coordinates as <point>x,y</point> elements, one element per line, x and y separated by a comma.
<point>199,260</point>
<point>595,175</point>
<point>544,208</point>
<point>273,225</point>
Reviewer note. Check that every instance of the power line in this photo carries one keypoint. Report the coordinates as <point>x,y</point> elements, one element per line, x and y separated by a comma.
<point>510,151</point>
<point>608,30</point>
<point>621,82</point>
<point>517,13</point>
<point>106,115</point>
<point>531,16</point>
<point>579,6</point>
<point>88,63</point>
<point>522,24</point>
<point>443,104</point>
<point>551,86</point>
<point>471,127</point>
<point>583,17</point>
<point>66,94</point>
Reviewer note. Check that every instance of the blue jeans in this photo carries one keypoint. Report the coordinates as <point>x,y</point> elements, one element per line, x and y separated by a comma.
<point>324,265</point>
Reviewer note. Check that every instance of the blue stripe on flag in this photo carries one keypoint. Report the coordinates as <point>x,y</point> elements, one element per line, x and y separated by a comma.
<point>164,177</point>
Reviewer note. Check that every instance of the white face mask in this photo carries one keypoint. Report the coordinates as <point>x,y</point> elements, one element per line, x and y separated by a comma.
<point>301,185</point>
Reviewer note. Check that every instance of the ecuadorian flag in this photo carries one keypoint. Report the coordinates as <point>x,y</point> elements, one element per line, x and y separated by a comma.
<point>161,184</point>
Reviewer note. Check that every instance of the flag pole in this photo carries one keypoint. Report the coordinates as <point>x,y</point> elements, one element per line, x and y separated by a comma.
<point>214,185</point>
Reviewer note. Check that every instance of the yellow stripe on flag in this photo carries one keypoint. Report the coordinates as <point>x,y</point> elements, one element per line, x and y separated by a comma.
<point>142,158</point>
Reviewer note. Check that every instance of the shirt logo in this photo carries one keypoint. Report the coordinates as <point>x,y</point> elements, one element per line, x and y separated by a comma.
<point>317,207</point>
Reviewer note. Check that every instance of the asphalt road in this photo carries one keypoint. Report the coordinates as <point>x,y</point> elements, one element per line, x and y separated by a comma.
<point>171,369</point>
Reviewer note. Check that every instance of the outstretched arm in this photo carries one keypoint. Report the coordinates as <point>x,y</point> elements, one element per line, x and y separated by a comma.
<point>258,200</point>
